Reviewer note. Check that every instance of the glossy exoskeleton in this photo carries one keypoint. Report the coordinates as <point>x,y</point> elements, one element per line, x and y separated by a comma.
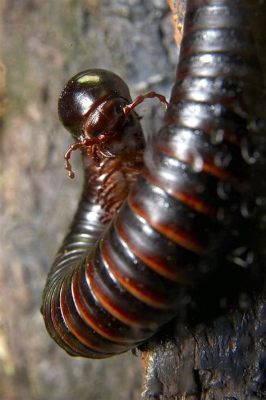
<point>111,287</point>
<point>94,106</point>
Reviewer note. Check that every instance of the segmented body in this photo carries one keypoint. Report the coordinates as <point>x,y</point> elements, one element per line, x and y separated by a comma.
<point>112,288</point>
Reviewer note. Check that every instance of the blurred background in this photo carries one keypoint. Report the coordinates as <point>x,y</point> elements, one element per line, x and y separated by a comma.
<point>43,43</point>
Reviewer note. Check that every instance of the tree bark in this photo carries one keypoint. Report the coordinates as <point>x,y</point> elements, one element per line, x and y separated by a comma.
<point>43,44</point>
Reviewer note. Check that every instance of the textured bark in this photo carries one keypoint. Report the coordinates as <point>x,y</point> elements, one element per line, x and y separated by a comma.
<point>44,43</point>
<point>178,13</point>
<point>222,360</point>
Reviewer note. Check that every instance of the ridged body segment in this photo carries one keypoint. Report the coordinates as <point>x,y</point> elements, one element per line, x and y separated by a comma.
<point>112,287</point>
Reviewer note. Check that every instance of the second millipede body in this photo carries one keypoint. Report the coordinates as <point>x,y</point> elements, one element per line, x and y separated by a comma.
<point>114,285</point>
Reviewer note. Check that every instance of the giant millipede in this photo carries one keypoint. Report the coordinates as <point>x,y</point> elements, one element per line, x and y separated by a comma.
<point>147,229</point>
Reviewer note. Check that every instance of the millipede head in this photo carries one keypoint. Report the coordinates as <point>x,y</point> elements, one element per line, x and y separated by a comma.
<point>92,103</point>
<point>95,106</point>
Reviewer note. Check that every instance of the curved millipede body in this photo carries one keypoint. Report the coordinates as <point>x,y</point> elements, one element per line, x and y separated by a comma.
<point>112,286</point>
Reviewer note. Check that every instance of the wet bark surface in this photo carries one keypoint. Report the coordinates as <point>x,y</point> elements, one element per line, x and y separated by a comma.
<point>224,359</point>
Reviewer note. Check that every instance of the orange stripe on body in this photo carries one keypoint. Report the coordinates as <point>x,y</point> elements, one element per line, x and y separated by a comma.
<point>146,296</point>
<point>191,201</point>
<point>157,264</point>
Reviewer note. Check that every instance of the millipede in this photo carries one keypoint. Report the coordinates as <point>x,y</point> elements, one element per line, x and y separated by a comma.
<point>153,215</point>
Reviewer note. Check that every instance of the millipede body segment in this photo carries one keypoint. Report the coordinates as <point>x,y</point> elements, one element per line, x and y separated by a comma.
<point>115,284</point>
